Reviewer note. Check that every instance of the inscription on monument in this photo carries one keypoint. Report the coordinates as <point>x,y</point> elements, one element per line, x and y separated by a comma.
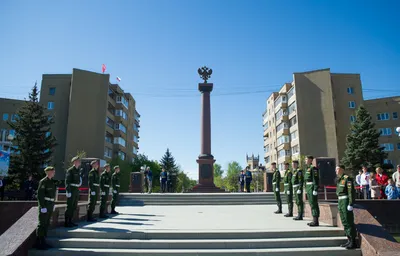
<point>206,171</point>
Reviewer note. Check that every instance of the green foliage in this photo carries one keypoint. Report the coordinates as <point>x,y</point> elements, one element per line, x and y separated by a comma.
<point>125,173</point>
<point>219,182</point>
<point>184,183</point>
<point>142,161</point>
<point>218,172</point>
<point>168,163</point>
<point>362,143</point>
<point>232,176</point>
<point>301,159</point>
<point>33,144</point>
<point>81,153</point>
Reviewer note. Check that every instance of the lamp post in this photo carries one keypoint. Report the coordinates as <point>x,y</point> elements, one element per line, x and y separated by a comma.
<point>398,131</point>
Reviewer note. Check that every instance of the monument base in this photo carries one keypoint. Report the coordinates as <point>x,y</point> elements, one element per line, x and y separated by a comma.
<point>206,188</point>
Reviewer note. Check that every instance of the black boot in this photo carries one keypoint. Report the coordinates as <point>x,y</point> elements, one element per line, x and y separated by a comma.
<point>352,244</point>
<point>71,223</point>
<point>67,223</point>
<point>299,217</point>
<point>289,214</point>
<point>278,211</point>
<point>314,223</point>
<point>114,212</point>
<point>90,217</point>
<point>39,244</point>
<point>45,244</point>
<point>347,243</point>
<point>102,215</point>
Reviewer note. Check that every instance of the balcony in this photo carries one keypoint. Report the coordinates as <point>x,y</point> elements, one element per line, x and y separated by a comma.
<point>109,138</point>
<point>121,100</point>
<point>282,129</point>
<point>110,123</point>
<point>111,108</point>
<point>280,102</point>
<point>282,116</point>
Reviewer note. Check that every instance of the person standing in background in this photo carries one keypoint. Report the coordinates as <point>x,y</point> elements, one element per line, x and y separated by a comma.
<point>391,191</point>
<point>358,181</point>
<point>375,187</point>
<point>29,188</point>
<point>248,179</point>
<point>396,178</point>
<point>149,179</point>
<point>382,181</point>
<point>365,182</point>
<point>163,180</point>
<point>241,180</point>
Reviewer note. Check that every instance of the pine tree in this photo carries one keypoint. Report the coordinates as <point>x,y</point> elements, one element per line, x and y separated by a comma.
<point>168,163</point>
<point>33,143</point>
<point>362,143</point>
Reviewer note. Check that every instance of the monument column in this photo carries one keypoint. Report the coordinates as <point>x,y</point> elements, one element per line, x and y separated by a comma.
<point>206,159</point>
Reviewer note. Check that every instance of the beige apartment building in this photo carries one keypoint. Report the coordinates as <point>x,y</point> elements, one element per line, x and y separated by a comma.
<point>92,115</point>
<point>8,113</point>
<point>310,116</point>
<point>384,112</point>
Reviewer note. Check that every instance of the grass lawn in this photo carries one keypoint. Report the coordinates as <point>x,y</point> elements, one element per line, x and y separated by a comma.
<point>397,237</point>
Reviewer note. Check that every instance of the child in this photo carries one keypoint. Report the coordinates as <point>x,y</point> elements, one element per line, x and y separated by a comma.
<point>391,190</point>
<point>375,188</point>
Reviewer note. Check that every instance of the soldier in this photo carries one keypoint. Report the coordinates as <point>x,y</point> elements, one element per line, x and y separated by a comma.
<point>241,180</point>
<point>346,198</point>
<point>163,180</point>
<point>72,183</point>
<point>311,178</point>
<point>287,182</point>
<point>46,196</point>
<point>115,187</point>
<point>93,190</point>
<point>248,178</point>
<point>276,182</point>
<point>104,190</point>
<point>297,182</point>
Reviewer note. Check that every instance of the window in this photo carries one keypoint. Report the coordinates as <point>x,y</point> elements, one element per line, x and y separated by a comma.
<point>52,90</point>
<point>398,146</point>
<point>46,151</point>
<point>120,127</point>
<point>122,155</point>
<point>293,121</point>
<point>5,117</point>
<point>110,122</point>
<point>122,113</point>
<point>283,139</point>
<point>135,139</point>
<point>295,150</point>
<point>267,159</point>
<point>50,105</point>
<point>350,90</point>
<point>266,148</point>
<point>387,146</point>
<point>387,161</point>
<point>14,117</point>
<point>385,131</point>
<point>382,116</point>
<point>120,141</point>
<point>121,99</point>
<point>395,130</point>
<point>48,134</point>
<point>108,152</point>
<point>352,104</point>
<point>134,150</point>
<point>292,108</point>
<point>352,119</point>
<point>11,132</point>
<point>109,137</point>
<point>281,126</point>
<point>290,93</point>
<point>293,135</point>
<point>394,115</point>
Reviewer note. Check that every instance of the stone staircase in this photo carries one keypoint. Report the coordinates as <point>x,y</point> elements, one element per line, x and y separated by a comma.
<point>129,199</point>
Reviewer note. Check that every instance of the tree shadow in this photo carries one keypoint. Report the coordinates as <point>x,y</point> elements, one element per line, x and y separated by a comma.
<point>375,231</point>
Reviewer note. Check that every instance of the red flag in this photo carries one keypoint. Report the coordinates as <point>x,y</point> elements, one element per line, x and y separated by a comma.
<point>103,68</point>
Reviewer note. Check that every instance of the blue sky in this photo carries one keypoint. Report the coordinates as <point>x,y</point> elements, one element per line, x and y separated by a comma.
<point>156,47</point>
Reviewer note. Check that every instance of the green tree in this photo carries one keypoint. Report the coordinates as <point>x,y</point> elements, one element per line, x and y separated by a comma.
<point>219,182</point>
<point>218,172</point>
<point>184,183</point>
<point>143,161</point>
<point>232,176</point>
<point>125,172</point>
<point>362,143</point>
<point>168,163</point>
<point>33,143</point>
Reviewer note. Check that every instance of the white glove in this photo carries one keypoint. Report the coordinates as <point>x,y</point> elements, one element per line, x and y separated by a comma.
<point>54,208</point>
<point>277,189</point>
<point>115,191</point>
<point>288,192</point>
<point>315,193</point>
<point>43,210</point>
<point>93,193</point>
<point>69,195</point>
<point>299,192</point>
<point>350,208</point>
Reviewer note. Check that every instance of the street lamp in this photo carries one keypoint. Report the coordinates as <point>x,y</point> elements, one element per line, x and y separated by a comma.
<point>398,131</point>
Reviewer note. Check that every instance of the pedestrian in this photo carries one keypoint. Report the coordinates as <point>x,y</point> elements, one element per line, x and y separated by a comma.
<point>163,180</point>
<point>115,188</point>
<point>241,180</point>
<point>396,178</point>
<point>365,182</point>
<point>276,184</point>
<point>391,191</point>
<point>382,180</point>
<point>73,181</point>
<point>2,186</point>
<point>29,188</point>
<point>375,187</point>
<point>94,183</point>
<point>358,181</point>
<point>311,179</point>
<point>104,191</point>
<point>46,196</point>
<point>346,198</point>
<point>149,179</point>
<point>297,182</point>
<point>287,182</point>
<point>248,178</point>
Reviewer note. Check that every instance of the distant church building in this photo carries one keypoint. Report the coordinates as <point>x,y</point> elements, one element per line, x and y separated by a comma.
<point>254,162</point>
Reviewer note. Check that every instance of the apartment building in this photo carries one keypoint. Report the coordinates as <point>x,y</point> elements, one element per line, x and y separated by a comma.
<point>8,113</point>
<point>310,116</point>
<point>92,115</point>
<point>385,113</point>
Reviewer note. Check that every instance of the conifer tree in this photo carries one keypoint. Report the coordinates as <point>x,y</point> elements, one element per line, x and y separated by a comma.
<point>168,163</point>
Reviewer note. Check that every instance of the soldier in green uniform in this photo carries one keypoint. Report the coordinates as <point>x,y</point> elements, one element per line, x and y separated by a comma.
<point>93,190</point>
<point>311,179</point>
<point>297,182</point>
<point>46,196</point>
<point>115,187</point>
<point>276,184</point>
<point>104,190</point>
<point>346,197</point>
<point>287,182</point>
<point>73,181</point>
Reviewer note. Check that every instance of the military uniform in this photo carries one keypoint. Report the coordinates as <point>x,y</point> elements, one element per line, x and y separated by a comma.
<point>241,181</point>
<point>346,197</point>
<point>163,180</point>
<point>297,181</point>
<point>248,179</point>
<point>46,197</point>
<point>93,192</point>
<point>73,181</point>
<point>311,179</point>
<point>104,191</point>
<point>115,187</point>
<point>287,182</point>
<point>276,183</point>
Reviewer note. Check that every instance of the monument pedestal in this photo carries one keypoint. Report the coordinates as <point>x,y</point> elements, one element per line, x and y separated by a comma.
<point>206,176</point>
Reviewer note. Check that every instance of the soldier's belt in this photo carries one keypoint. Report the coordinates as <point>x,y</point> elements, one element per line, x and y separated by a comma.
<point>107,186</point>
<point>285,184</point>
<point>309,183</point>
<point>342,197</point>
<point>273,183</point>
<point>117,186</point>
<point>295,186</point>
<point>95,184</point>
<point>49,199</point>
<point>74,185</point>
